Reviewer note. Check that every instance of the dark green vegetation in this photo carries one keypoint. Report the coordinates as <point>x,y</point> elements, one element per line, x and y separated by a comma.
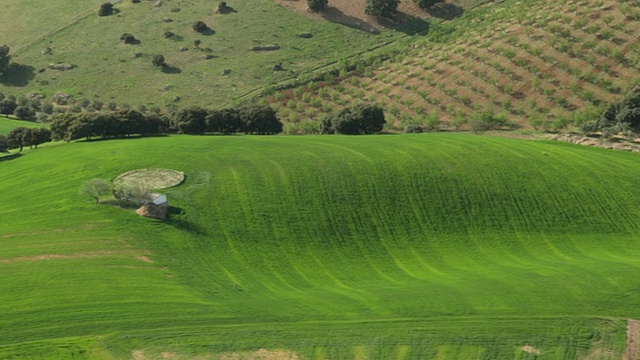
<point>385,247</point>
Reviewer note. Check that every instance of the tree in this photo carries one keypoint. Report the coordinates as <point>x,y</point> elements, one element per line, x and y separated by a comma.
<point>360,119</point>
<point>190,121</point>
<point>199,26</point>
<point>105,9</point>
<point>95,188</point>
<point>5,59</point>
<point>158,61</point>
<point>426,4</point>
<point>4,144</point>
<point>7,106</point>
<point>39,136</point>
<point>381,7</point>
<point>24,113</point>
<point>317,5</point>
<point>131,194</point>
<point>128,38</point>
<point>260,120</point>
<point>17,137</point>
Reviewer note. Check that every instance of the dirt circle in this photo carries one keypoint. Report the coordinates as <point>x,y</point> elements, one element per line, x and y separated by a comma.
<point>152,178</point>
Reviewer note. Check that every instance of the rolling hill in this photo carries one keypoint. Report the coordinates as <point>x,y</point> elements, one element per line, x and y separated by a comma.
<point>441,246</point>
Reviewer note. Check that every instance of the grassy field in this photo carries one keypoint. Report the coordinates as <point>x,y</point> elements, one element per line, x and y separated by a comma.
<point>107,70</point>
<point>441,246</point>
<point>7,124</point>
<point>541,63</point>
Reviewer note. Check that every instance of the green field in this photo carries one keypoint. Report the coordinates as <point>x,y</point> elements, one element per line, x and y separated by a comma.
<point>7,124</point>
<point>439,246</point>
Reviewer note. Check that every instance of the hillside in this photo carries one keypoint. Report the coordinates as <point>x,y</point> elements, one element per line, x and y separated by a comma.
<point>435,246</point>
<point>541,64</point>
<point>105,69</point>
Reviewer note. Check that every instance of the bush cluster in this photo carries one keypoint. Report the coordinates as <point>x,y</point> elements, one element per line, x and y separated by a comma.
<point>357,120</point>
<point>619,118</point>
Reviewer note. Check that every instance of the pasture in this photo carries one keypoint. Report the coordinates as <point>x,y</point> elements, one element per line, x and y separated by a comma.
<point>7,124</point>
<point>218,71</point>
<point>436,246</point>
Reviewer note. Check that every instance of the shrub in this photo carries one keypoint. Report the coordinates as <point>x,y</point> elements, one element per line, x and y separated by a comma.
<point>360,119</point>
<point>413,128</point>
<point>317,5</point>
<point>105,9</point>
<point>127,38</point>
<point>223,8</point>
<point>199,26</point>
<point>158,61</point>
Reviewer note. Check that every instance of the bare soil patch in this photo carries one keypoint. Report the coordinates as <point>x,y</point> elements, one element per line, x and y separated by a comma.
<point>633,340</point>
<point>262,354</point>
<point>531,350</point>
<point>152,178</point>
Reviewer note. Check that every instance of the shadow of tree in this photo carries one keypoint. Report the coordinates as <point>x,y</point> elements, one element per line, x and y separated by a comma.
<point>207,32</point>
<point>17,75</point>
<point>168,69</point>
<point>407,24</point>
<point>445,11</point>
<point>177,219</point>
<point>336,16</point>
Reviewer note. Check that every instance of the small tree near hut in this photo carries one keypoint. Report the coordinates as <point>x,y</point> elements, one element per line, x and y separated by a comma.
<point>96,188</point>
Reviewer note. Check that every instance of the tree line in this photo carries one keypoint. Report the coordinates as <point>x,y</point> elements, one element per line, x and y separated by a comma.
<point>20,137</point>
<point>258,120</point>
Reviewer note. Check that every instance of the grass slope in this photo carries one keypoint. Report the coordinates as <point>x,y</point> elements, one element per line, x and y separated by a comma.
<point>7,124</point>
<point>542,63</point>
<point>437,246</point>
<point>107,70</point>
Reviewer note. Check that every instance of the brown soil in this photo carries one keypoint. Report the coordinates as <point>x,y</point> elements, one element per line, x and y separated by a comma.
<point>80,255</point>
<point>617,144</point>
<point>531,350</point>
<point>633,340</point>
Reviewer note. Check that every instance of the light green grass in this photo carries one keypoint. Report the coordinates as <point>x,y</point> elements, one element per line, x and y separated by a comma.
<point>106,71</point>
<point>435,246</point>
<point>7,124</point>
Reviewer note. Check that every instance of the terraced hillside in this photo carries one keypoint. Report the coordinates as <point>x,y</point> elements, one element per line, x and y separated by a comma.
<point>541,63</point>
<point>383,247</point>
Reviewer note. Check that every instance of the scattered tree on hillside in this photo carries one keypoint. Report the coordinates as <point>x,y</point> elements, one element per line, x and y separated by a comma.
<point>105,9</point>
<point>158,61</point>
<point>197,43</point>
<point>381,7</point>
<point>223,8</point>
<point>317,5</point>
<point>24,113</point>
<point>426,4</point>
<point>4,144</point>
<point>357,120</point>
<point>96,188</point>
<point>7,106</point>
<point>199,27</point>
<point>127,38</point>
<point>5,58</point>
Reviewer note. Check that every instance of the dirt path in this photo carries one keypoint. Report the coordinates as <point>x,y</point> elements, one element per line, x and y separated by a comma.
<point>633,340</point>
